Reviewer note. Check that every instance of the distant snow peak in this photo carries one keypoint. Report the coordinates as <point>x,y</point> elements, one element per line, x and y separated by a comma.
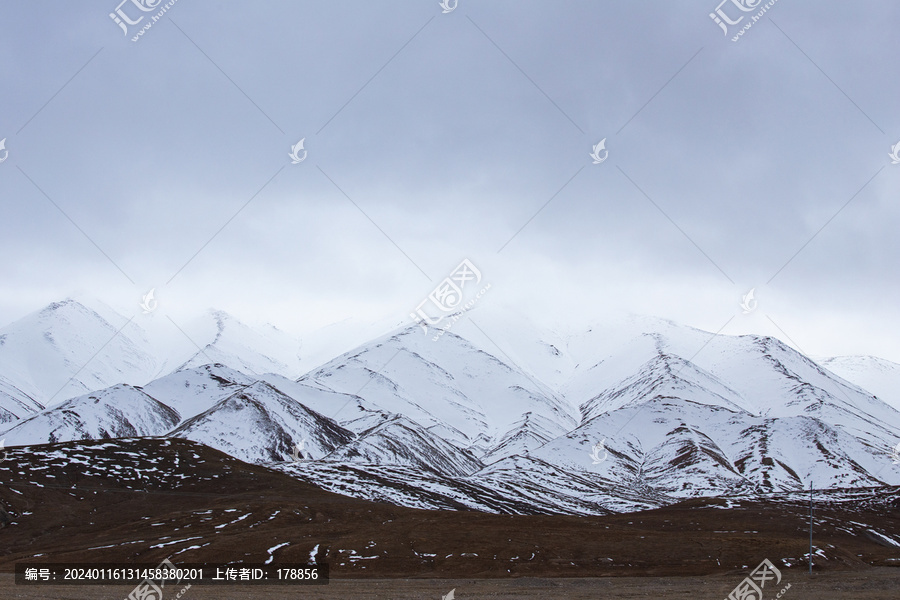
<point>42,350</point>
<point>233,343</point>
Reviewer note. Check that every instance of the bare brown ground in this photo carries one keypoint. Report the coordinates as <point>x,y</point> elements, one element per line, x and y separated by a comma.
<point>221,510</point>
<point>882,583</point>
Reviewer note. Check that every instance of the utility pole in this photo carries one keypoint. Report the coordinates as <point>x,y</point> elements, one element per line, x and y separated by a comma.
<point>810,525</point>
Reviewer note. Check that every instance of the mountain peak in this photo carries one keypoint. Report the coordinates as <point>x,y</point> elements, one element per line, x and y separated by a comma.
<point>239,346</point>
<point>68,348</point>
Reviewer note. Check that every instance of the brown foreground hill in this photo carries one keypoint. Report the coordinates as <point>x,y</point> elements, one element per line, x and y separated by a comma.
<point>143,500</point>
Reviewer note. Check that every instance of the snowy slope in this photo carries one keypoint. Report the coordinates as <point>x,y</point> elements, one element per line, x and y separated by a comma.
<point>193,391</point>
<point>404,486</point>
<point>224,339</point>
<point>68,349</point>
<point>680,448</point>
<point>530,432</point>
<point>546,488</point>
<point>540,351</point>
<point>663,376</point>
<point>451,387</point>
<point>754,374</point>
<point>351,411</point>
<point>14,403</point>
<point>399,441</point>
<point>876,375</point>
<point>259,423</point>
<point>118,411</point>
<point>779,381</point>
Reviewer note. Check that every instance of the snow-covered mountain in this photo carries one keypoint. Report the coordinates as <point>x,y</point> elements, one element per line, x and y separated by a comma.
<point>453,388</point>
<point>67,349</point>
<point>221,338</point>
<point>625,415</point>
<point>73,347</point>
<point>259,423</point>
<point>681,413</point>
<point>876,375</point>
<point>14,403</point>
<point>192,391</point>
<point>118,411</point>
<point>400,441</point>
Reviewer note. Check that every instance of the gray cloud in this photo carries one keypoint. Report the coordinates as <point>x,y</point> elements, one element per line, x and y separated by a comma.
<point>440,136</point>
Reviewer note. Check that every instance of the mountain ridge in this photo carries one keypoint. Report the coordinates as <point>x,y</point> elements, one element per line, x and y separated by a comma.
<point>647,414</point>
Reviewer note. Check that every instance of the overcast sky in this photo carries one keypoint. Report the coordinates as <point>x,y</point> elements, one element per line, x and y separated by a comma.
<point>432,137</point>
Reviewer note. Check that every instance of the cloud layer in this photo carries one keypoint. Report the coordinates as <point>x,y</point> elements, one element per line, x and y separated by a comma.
<point>433,137</point>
